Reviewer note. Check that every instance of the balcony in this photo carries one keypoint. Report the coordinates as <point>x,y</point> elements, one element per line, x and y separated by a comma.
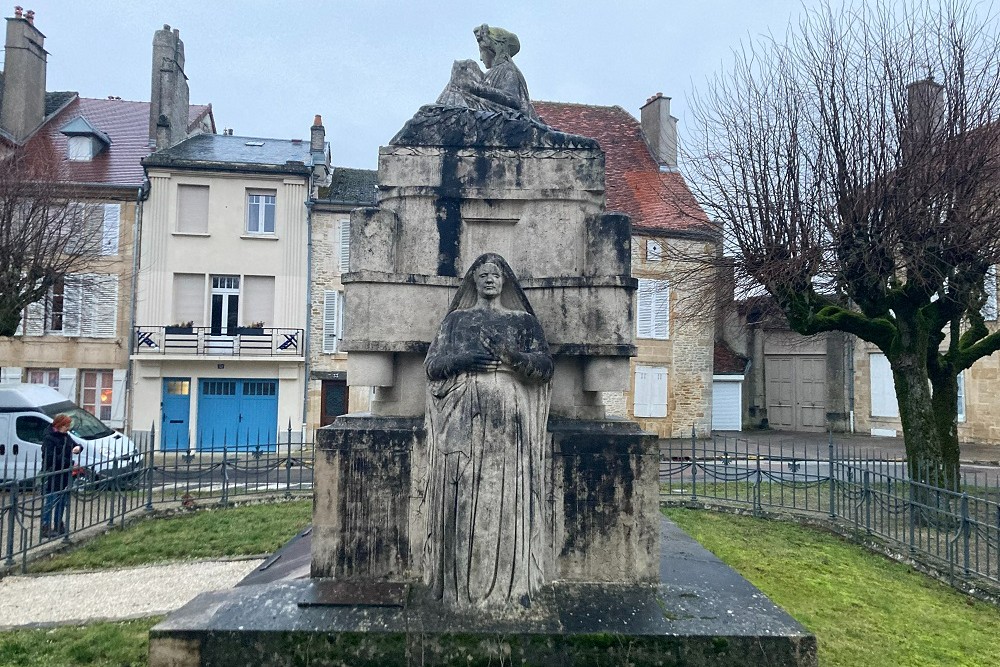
<point>218,342</point>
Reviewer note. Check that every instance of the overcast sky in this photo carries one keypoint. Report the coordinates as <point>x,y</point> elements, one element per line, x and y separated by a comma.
<point>368,65</point>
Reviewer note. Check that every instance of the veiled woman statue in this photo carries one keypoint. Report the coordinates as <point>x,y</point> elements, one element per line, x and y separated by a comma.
<point>502,88</point>
<point>487,407</point>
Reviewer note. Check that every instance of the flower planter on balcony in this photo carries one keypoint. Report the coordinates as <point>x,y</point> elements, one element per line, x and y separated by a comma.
<point>178,330</point>
<point>250,331</point>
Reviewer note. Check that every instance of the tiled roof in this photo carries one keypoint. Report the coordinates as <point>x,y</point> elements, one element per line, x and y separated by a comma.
<point>125,123</point>
<point>654,199</point>
<point>219,151</point>
<point>726,361</point>
<point>351,186</point>
<point>197,112</point>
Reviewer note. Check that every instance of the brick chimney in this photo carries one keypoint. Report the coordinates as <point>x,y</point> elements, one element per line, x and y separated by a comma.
<point>23,107</point>
<point>317,151</point>
<point>660,129</point>
<point>168,107</point>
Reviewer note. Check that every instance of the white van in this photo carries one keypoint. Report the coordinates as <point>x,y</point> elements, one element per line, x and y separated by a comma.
<point>27,410</point>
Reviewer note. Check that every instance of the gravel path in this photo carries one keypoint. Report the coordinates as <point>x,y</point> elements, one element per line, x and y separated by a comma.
<point>135,592</point>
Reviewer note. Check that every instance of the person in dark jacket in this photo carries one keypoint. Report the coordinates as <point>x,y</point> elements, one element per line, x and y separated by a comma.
<point>58,449</point>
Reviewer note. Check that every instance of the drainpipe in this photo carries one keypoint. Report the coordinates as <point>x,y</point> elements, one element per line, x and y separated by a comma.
<point>142,194</point>
<point>308,332</point>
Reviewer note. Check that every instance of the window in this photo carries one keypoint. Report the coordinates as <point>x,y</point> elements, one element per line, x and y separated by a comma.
<point>81,149</point>
<point>87,307</point>
<point>345,245</point>
<point>961,396</point>
<point>31,429</point>
<point>54,307</point>
<point>650,396</point>
<point>653,313</point>
<point>97,393</point>
<point>654,251</point>
<point>884,402</point>
<point>258,300</point>
<point>333,320</point>
<point>192,209</point>
<point>189,298</point>
<point>260,212</point>
<point>225,304</point>
<point>46,376</point>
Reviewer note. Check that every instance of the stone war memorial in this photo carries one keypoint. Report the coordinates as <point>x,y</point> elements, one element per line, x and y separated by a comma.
<point>486,511</point>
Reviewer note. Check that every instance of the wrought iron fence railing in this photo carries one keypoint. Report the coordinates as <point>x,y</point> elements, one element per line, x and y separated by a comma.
<point>148,479</point>
<point>950,525</point>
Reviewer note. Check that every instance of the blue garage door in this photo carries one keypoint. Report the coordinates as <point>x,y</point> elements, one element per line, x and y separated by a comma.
<point>239,414</point>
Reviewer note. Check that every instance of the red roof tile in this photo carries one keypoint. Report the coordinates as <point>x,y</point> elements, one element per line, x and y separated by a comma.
<point>726,361</point>
<point>655,200</point>
<point>127,125</point>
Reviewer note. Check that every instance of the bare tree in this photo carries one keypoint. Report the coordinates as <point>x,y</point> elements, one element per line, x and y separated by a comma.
<point>852,168</point>
<point>44,235</point>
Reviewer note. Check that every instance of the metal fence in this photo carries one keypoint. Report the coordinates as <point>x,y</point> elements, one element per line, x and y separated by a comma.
<point>146,480</point>
<point>956,531</point>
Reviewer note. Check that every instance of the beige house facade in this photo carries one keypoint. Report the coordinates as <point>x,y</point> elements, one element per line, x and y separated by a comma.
<point>222,291</point>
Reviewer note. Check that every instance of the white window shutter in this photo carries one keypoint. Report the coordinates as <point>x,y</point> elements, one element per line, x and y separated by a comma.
<point>99,306</point>
<point>658,393</point>
<point>641,398</point>
<point>67,383</point>
<point>661,309</point>
<point>107,307</point>
<point>72,301</point>
<point>330,303</point>
<point>989,310</point>
<point>345,246</point>
<point>34,321</point>
<point>883,391</point>
<point>110,229</point>
<point>10,374</point>
<point>644,309</point>
<point>117,398</point>
<point>340,315</point>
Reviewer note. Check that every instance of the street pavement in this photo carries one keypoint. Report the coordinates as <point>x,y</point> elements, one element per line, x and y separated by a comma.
<point>791,444</point>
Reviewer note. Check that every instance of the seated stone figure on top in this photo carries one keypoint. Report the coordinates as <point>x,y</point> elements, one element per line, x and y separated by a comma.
<point>501,88</point>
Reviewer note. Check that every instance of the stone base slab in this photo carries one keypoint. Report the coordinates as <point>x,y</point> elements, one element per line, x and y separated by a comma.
<point>702,613</point>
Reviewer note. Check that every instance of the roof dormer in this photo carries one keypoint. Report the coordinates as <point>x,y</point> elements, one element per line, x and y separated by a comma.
<point>85,142</point>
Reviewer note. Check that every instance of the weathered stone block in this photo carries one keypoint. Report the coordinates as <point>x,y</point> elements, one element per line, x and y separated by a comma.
<point>361,510</point>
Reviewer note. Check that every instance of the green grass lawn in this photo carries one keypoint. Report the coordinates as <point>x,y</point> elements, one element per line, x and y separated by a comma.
<point>240,531</point>
<point>99,644</point>
<point>864,609</point>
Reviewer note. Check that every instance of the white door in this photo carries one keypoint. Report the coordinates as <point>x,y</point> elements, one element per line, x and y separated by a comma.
<point>727,409</point>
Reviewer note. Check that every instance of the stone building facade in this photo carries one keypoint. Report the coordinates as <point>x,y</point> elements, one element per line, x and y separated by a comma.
<point>671,376</point>
<point>77,339</point>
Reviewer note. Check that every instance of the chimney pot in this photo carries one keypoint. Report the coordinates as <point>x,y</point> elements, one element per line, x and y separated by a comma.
<point>30,15</point>
<point>18,11</point>
<point>318,120</point>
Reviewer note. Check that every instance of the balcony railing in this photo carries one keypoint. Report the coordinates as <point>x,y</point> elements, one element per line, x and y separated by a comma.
<point>222,342</point>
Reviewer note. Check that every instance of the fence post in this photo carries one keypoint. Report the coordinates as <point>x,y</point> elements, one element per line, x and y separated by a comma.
<point>913,517</point>
<point>694,467</point>
<point>833,479</point>
<point>966,530</point>
<point>150,467</point>
<point>868,501</point>
<point>288,463</point>
<point>224,500</point>
<point>11,522</point>
<point>757,507</point>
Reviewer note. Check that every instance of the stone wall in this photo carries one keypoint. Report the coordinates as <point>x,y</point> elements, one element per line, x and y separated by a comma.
<point>687,353</point>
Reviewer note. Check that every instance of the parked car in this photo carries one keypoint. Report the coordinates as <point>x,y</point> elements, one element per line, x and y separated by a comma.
<point>27,410</point>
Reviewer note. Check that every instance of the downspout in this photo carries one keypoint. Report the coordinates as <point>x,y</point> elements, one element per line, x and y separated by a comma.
<point>308,332</point>
<point>142,194</point>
